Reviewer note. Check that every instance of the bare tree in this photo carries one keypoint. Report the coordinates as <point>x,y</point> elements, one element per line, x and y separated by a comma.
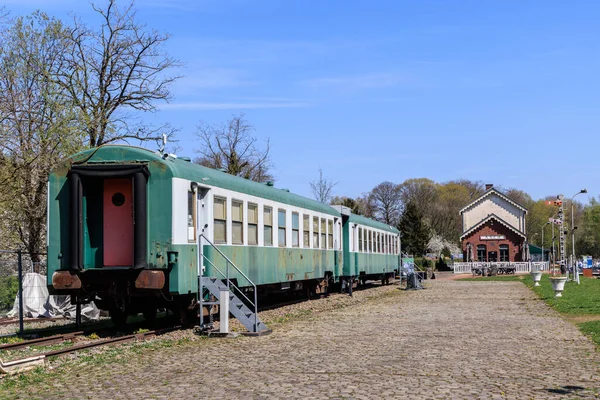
<point>113,72</point>
<point>322,188</point>
<point>36,128</point>
<point>386,197</point>
<point>231,146</point>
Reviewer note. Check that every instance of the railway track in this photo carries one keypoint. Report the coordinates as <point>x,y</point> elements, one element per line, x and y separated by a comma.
<point>14,321</point>
<point>20,365</point>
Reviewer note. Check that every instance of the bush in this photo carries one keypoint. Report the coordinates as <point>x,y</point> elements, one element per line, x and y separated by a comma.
<point>9,286</point>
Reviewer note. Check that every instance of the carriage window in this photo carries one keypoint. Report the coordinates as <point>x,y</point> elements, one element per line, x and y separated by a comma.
<point>295,230</point>
<point>268,229</point>
<point>504,252</point>
<point>237,222</point>
<point>220,220</point>
<point>281,230</point>
<point>375,242</point>
<point>306,229</point>
<point>370,239</point>
<point>481,252</point>
<point>323,234</point>
<point>360,239</point>
<point>316,232</point>
<point>191,217</point>
<point>330,233</point>
<point>252,224</point>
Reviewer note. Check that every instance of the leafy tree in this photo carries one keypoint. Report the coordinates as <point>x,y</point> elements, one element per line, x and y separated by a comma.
<point>415,233</point>
<point>113,72</point>
<point>421,191</point>
<point>352,204</point>
<point>37,128</point>
<point>446,220</point>
<point>588,241</point>
<point>322,188</point>
<point>231,146</point>
<point>365,205</point>
<point>387,202</point>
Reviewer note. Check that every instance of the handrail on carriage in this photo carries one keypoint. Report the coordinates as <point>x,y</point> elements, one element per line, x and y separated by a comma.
<point>229,282</point>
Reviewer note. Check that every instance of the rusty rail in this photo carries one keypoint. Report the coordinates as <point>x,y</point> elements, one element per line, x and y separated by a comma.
<point>16,366</point>
<point>43,341</point>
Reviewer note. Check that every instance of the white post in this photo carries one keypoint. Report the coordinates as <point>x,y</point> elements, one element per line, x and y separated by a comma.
<point>224,311</point>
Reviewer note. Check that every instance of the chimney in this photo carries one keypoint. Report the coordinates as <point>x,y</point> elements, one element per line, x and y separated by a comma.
<point>488,186</point>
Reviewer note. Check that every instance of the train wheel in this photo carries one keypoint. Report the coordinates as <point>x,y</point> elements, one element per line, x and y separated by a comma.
<point>150,315</point>
<point>118,317</point>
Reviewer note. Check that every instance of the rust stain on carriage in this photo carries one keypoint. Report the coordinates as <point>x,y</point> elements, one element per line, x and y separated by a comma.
<point>148,279</point>
<point>65,280</point>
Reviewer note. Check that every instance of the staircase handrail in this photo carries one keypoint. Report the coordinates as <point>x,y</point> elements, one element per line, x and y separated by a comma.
<point>233,284</point>
<point>229,282</point>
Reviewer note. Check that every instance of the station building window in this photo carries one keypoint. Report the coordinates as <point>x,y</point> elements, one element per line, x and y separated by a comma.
<point>191,217</point>
<point>306,230</point>
<point>237,222</point>
<point>252,224</point>
<point>316,232</point>
<point>220,220</point>
<point>268,226</point>
<point>481,252</point>
<point>504,252</point>
<point>295,229</point>
<point>281,228</point>
<point>330,233</point>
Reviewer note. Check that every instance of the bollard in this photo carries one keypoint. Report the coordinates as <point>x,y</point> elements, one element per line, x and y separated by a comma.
<point>224,311</point>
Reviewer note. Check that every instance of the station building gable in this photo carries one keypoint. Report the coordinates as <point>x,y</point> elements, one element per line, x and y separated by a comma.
<point>493,228</point>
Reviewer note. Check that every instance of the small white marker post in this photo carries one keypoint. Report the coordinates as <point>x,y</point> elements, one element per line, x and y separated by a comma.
<point>224,311</point>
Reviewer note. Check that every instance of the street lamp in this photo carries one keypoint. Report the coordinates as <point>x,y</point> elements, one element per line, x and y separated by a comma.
<point>573,227</point>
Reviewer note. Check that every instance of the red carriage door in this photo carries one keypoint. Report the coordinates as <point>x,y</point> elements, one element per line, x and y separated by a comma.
<point>118,223</point>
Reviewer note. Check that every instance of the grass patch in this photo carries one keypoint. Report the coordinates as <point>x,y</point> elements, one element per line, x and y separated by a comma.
<point>591,329</point>
<point>577,300</point>
<point>583,299</point>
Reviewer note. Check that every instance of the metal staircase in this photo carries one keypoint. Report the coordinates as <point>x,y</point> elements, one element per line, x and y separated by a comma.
<point>244,309</point>
<point>237,308</point>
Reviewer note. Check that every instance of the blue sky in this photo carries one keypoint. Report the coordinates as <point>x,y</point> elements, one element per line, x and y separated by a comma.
<point>506,92</point>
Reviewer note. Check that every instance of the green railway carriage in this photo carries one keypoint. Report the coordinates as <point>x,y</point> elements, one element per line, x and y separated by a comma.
<point>371,249</point>
<point>124,225</point>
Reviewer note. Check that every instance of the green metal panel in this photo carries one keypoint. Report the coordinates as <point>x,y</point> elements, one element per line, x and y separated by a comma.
<point>266,265</point>
<point>159,210</point>
<point>373,263</point>
<point>347,268</point>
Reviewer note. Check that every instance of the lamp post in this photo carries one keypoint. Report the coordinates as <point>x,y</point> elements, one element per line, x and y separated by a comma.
<point>573,227</point>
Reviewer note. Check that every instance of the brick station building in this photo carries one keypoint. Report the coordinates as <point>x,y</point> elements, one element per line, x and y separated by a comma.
<point>493,228</point>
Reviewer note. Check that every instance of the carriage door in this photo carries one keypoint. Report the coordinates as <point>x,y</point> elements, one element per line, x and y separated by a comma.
<point>118,222</point>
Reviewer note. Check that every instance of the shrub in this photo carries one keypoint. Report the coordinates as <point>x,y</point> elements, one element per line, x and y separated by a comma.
<point>9,286</point>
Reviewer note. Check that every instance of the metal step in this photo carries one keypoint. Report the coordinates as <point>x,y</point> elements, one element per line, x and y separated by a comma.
<point>236,306</point>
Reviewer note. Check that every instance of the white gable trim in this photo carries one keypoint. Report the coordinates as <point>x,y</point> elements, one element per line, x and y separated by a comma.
<point>499,194</point>
<point>489,217</point>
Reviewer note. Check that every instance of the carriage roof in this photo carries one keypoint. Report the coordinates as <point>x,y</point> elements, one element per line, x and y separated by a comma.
<point>181,168</point>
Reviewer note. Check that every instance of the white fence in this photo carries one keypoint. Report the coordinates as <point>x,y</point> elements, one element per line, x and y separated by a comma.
<point>516,267</point>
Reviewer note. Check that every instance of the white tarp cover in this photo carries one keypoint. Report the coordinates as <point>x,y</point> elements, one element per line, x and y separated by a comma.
<point>38,303</point>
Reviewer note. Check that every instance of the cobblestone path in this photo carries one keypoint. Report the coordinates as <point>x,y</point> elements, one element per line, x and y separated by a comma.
<point>455,339</point>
